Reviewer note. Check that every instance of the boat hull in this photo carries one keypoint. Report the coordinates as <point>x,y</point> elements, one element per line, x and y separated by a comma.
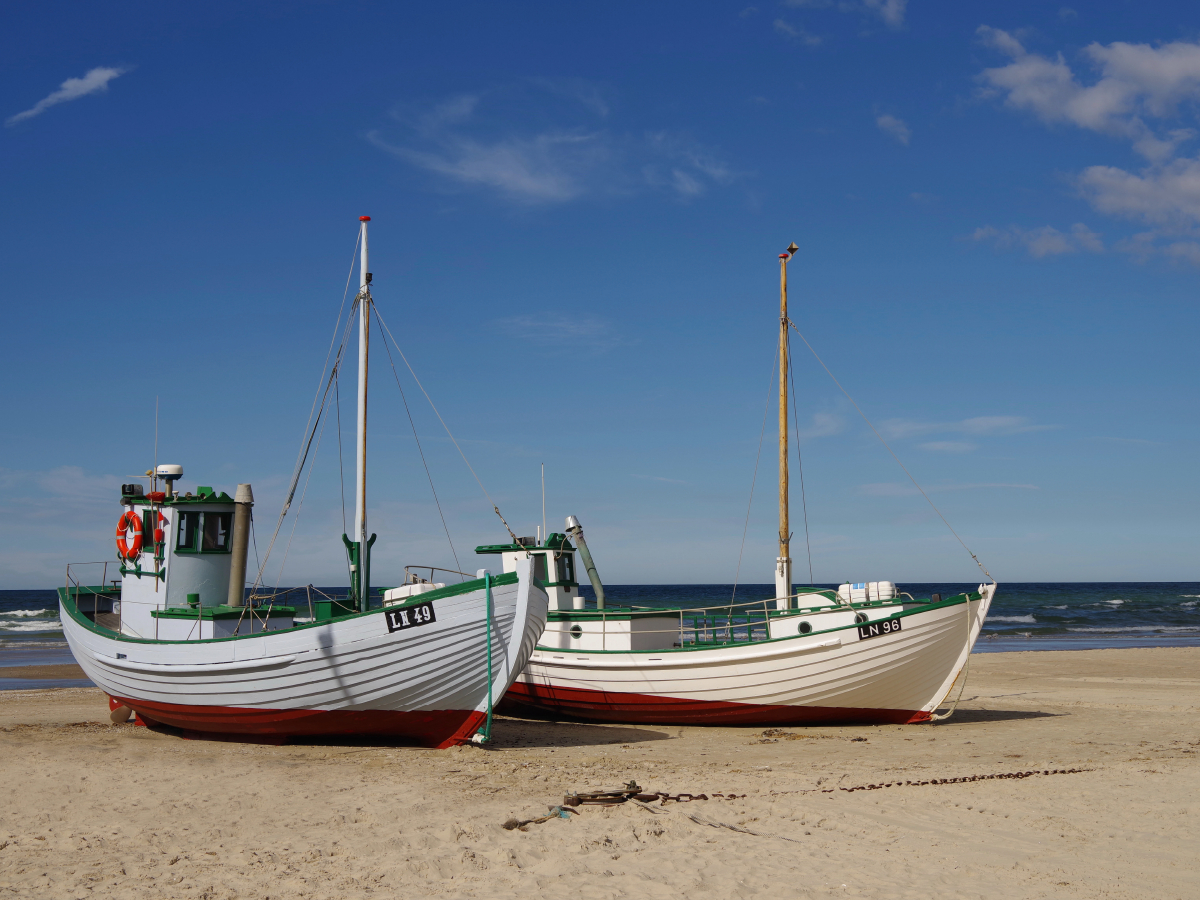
<point>833,677</point>
<point>433,728</point>
<point>349,676</point>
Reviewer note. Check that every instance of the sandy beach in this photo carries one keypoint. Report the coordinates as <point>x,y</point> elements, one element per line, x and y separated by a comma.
<point>92,809</point>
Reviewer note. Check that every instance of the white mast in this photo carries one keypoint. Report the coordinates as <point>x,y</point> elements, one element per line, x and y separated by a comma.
<point>360,460</point>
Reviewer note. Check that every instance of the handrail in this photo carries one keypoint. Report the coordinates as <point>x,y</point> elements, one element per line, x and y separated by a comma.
<point>432,569</point>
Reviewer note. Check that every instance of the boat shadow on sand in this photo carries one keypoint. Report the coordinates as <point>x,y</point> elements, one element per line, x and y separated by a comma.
<point>978,716</point>
<point>507,734</point>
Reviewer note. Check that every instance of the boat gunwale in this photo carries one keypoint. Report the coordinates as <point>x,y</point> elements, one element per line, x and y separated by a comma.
<point>67,602</point>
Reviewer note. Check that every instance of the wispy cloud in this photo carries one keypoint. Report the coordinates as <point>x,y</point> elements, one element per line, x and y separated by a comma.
<point>1044,241</point>
<point>1139,94</point>
<point>662,479</point>
<point>950,446</point>
<point>570,332</point>
<point>900,489</point>
<point>1124,440</point>
<point>475,141</point>
<point>889,124</point>
<point>823,425</point>
<point>891,12</point>
<point>979,425</point>
<point>95,81</point>
<point>796,33</point>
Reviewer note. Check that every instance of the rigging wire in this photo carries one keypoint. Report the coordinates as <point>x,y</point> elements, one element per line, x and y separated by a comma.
<point>800,461</point>
<point>754,478</point>
<point>303,494</point>
<point>337,399</point>
<point>299,470</point>
<point>421,451</point>
<point>892,452</point>
<point>310,426</point>
<point>496,508</point>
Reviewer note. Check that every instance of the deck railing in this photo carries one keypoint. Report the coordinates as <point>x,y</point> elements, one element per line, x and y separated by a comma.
<point>745,622</point>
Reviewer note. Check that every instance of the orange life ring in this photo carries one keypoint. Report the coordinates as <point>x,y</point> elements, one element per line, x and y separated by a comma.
<point>129,520</point>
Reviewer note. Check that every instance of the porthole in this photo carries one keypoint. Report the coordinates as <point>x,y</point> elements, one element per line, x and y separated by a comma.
<point>577,631</point>
<point>860,617</point>
<point>804,627</point>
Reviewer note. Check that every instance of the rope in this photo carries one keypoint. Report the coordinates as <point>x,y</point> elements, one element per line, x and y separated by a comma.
<point>800,462</point>
<point>496,508</point>
<point>298,471</point>
<point>891,451</point>
<point>303,494</point>
<point>754,479</point>
<point>963,675</point>
<point>421,451</point>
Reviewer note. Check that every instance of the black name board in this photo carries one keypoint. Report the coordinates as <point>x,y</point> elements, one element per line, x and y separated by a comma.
<point>875,629</point>
<point>409,617</point>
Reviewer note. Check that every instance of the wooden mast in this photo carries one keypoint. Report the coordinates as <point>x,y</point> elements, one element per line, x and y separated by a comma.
<point>783,564</point>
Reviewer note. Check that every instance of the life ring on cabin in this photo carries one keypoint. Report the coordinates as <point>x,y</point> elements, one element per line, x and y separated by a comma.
<point>129,521</point>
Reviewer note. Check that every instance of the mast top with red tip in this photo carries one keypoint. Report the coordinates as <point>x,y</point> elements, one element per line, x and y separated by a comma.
<point>364,218</point>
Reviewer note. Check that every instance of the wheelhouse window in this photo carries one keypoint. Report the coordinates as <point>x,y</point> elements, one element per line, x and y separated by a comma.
<point>565,568</point>
<point>216,531</point>
<point>539,567</point>
<point>204,532</point>
<point>189,526</point>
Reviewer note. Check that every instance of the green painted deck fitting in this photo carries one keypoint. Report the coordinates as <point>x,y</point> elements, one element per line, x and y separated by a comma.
<point>555,543</point>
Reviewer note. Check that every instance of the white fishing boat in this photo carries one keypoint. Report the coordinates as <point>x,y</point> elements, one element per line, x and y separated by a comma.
<point>176,641</point>
<point>864,653</point>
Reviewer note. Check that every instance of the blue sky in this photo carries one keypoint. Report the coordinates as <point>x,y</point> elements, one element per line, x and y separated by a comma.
<point>576,217</point>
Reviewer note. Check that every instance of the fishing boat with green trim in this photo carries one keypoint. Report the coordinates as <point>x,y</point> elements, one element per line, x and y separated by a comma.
<point>176,640</point>
<point>861,654</point>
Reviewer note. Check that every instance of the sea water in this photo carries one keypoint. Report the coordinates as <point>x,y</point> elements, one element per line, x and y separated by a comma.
<point>1024,616</point>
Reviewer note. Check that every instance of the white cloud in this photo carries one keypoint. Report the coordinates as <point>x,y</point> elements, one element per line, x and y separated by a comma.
<point>1140,93</point>
<point>889,124</point>
<point>1136,82</point>
<point>546,167</point>
<point>1044,241</point>
<point>823,425</point>
<point>458,141</point>
<point>890,11</point>
<point>95,81</point>
<point>796,33</point>
<point>950,446</point>
<point>905,490</point>
<point>978,425</point>
<point>569,332</point>
<point>1166,195</point>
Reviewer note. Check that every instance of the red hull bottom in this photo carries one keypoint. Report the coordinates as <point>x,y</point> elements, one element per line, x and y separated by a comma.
<point>539,701</point>
<point>435,728</point>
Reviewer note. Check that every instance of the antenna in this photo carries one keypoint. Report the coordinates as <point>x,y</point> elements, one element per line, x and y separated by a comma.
<point>544,532</point>
<point>154,481</point>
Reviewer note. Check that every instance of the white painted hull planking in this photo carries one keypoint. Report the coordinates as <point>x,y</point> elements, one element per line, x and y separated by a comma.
<point>830,676</point>
<point>346,676</point>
